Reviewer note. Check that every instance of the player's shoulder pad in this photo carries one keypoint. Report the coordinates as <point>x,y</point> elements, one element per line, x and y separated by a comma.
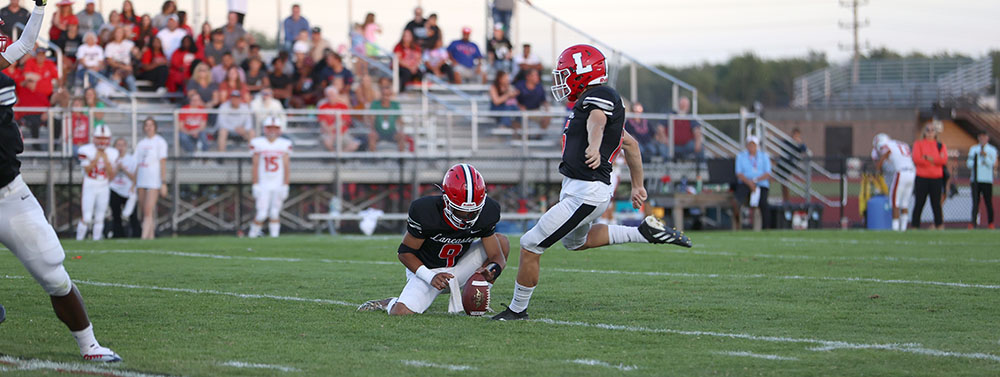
<point>601,97</point>
<point>491,211</point>
<point>8,91</point>
<point>424,208</point>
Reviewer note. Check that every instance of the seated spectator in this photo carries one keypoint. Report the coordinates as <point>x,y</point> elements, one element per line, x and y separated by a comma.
<point>753,172</point>
<point>168,10</point>
<point>319,44</point>
<point>370,30</point>
<point>91,59</point>
<point>13,14</point>
<point>498,50</point>
<point>89,18</point>
<point>300,55</point>
<point>306,91</point>
<point>384,127</point>
<point>180,64</point>
<point>220,71</point>
<point>241,52</point>
<point>234,84</point>
<point>205,38</point>
<point>335,68</point>
<point>465,57</point>
<point>234,116</point>
<point>333,128</point>
<point>214,50</point>
<point>417,25</point>
<point>171,36</point>
<point>144,32</point>
<point>45,71</point>
<point>91,101</point>
<point>364,95</point>
<point>408,53</point>
<point>182,22</point>
<point>62,19</point>
<point>70,42</point>
<point>257,76</point>
<point>357,38</point>
<point>254,54</point>
<point>194,121</point>
<point>129,17</point>
<point>107,30</point>
<point>688,140</point>
<point>503,97</point>
<point>433,33</point>
<point>233,31</point>
<point>118,53</point>
<point>264,105</point>
<point>281,82</point>
<point>436,61</point>
<point>645,133</point>
<point>154,65</point>
<point>525,61</point>
<point>293,25</point>
<point>201,83</point>
<point>531,96</point>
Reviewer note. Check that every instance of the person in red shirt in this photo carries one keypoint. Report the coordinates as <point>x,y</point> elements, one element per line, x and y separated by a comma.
<point>44,68</point>
<point>930,158</point>
<point>154,65</point>
<point>408,53</point>
<point>180,64</point>
<point>79,125</point>
<point>62,19</point>
<point>29,96</point>
<point>193,119</point>
<point>329,130</point>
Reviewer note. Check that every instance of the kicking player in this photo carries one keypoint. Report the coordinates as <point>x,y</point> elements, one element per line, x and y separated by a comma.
<point>23,228</point>
<point>592,137</point>
<point>99,164</point>
<point>893,158</point>
<point>270,176</point>
<point>448,238</point>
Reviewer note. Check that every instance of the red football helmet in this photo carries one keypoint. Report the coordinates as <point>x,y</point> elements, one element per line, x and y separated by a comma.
<point>578,67</point>
<point>464,195</point>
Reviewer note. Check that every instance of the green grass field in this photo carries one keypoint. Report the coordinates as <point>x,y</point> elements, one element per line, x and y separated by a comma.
<point>775,303</point>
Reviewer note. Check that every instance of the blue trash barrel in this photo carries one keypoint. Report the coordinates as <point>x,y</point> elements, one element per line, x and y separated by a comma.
<point>879,213</point>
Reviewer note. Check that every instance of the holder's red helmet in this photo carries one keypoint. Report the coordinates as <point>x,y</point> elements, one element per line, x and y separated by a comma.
<point>464,195</point>
<point>578,67</point>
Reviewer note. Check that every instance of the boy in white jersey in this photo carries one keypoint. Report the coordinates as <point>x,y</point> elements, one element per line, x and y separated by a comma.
<point>270,176</point>
<point>893,157</point>
<point>98,162</point>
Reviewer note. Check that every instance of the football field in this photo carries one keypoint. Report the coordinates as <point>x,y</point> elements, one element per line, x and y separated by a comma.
<point>775,303</point>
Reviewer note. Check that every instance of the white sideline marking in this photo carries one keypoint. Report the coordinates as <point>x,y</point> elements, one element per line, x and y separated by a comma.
<point>571,270</point>
<point>240,364</point>
<point>826,257</point>
<point>15,364</point>
<point>621,367</point>
<point>849,241</point>
<point>418,363</point>
<point>757,355</point>
<point>825,345</point>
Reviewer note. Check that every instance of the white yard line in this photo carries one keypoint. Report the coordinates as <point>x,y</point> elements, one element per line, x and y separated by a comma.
<point>756,355</point>
<point>849,241</point>
<point>240,364</point>
<point>427,364</point>
<point>13,364</point>
<point>825,257</point>
<point>621,367</point>
<point>214,292</point>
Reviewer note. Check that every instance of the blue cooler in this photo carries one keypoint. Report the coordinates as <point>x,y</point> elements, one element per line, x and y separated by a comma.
<point>879,213</point>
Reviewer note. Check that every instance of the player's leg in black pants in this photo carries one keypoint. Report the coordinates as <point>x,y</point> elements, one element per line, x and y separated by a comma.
<point>116,202</point>
<point>921,187</point>
<point>935,194</point>
<point>134,227</point>
<point>986,191</point>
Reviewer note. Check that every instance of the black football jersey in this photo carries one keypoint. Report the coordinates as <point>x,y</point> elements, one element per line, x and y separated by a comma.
<point>443,244</point>
<point>574,163</point>
<point>11,143</point>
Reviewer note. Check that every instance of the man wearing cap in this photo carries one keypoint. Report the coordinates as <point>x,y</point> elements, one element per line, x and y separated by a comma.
<point>983,163</point>
<point>90,19</point>
<point>234,116</point>
<point>12,15</point>
<point>319,44</point>
<point>293,25</point>
<point>171,36</point>
<point>465,56</point>
<point>753,169</point>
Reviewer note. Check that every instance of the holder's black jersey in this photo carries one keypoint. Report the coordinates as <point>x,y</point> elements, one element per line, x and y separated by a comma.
<point>575,138</point>
<point>443,244</point>
<point>11,143</point>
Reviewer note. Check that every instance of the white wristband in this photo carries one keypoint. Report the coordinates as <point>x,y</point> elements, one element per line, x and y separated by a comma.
<point>425,274</point>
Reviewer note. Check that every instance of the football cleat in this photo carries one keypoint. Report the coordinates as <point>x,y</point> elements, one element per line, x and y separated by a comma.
<point>375,305</point>
<point>102,355</point>
<point>3,314</point>
<point>656,232</point>
<point>510,315</point>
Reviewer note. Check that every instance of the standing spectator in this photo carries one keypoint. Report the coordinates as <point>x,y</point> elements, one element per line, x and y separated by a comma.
<point>91,59</point>
<point>645,134</point>
<point>753,171</point>
<point>498,51</point>
<point>216,48</point>
<point>384,126</point>
<point>194,120</point>
<point>118,53</point>
<point>791,155</point>
<point>220,71</point>
<point>238,7</point>
<point>168,10</point>
<point>234,116</point>
<point>688,140</point>
<point>13,14</point>
<point>181,62</point>
<point>408,53</point>
<point>257,77</point>
<point>201,82</point>
<point>503,97</point>
<point>333,128</point>
<point>28,95</point>
<point>281,82</point>
<point>433,33</point>
<point>79,124</point>
<point>128,13</point>
<point>293,25</point>
<point>265,105</point>
<point>233,31</point>
<point>70,42</point>
<point>502,11</point>
<point>154,65</point>
<point>234,84</point>
<point>983,163</point>
<point>527,60</point>
<point>151,175</point>
<point>144,32</point>
<point>436,61</point>
<point>171,37</point>
<point>370,29</point>
<point>45,69</point>
<point>417,23</point>
<point>90,19</point>
<point>123,195</point>
<point>531,96</point>
<point>62,19</point>
<point>465,56</point>
<point>357,38</point>
<point>319,44</point>
<point>930,157</point>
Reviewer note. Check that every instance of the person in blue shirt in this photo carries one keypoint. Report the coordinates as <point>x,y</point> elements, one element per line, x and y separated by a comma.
<point>982,162</point>
<point>466,56</point>
<point>753,170</point>
<point>294,25</point>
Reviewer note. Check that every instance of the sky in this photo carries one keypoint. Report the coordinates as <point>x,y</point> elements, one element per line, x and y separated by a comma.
<point>672,32</point>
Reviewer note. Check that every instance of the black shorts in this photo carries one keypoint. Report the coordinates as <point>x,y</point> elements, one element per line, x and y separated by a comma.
<point>742,194</point>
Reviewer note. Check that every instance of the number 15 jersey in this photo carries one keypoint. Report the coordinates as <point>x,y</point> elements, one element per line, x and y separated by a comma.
<point>271,164</point>
<point>443,244</point>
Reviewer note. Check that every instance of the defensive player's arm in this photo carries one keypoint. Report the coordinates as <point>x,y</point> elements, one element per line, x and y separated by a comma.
<point>26,42</point>
<point>406,256</point>
<point>633,158</point>
<point>595,135</point>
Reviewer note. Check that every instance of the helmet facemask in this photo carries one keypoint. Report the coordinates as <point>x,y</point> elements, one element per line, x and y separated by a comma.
<point>462,216</point>
<point>560,90</point>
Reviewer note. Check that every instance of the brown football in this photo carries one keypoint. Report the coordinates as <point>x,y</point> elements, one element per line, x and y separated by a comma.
<point>476,295</point>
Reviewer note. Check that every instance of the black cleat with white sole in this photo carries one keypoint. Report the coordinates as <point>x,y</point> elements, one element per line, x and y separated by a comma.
<point>510,315</point>
<point>656,232</point>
